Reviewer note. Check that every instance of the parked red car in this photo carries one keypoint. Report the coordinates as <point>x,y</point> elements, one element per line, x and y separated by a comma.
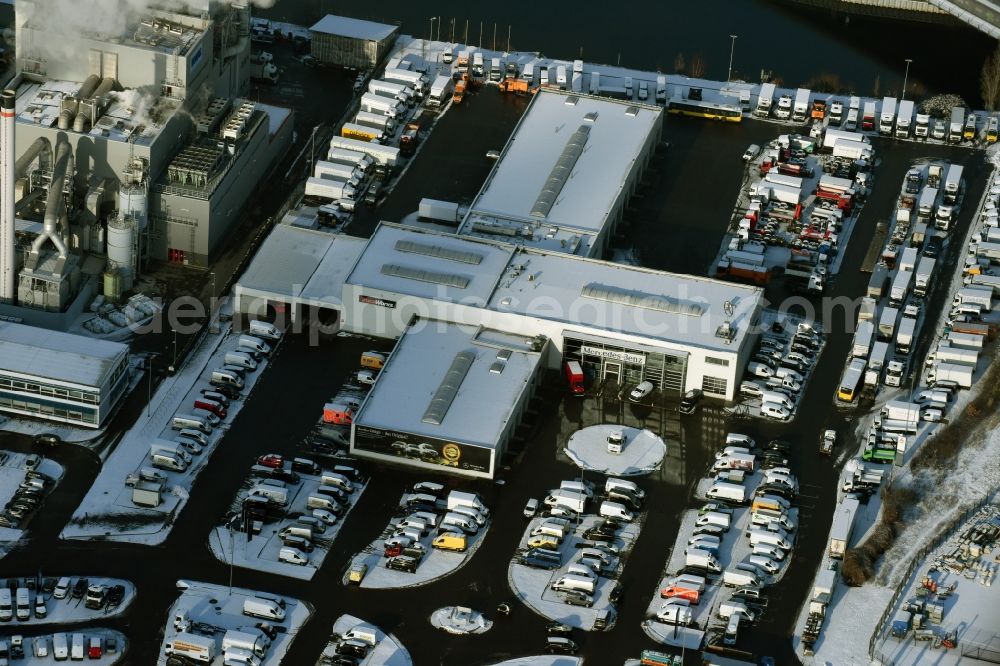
<point>272,460</point>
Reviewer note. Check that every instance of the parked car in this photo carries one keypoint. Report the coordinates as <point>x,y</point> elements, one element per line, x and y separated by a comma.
<point>691,400</point>
<point>531,508</point>
<point>642,390</point>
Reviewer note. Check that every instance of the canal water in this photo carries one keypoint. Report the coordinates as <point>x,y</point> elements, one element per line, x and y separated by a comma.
<point>795,43</point>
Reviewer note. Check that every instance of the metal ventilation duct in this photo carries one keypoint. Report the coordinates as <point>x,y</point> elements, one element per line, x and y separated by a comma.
<point>421,275</point>
<point>55,203</point>
<point>429,250</point>
<point>448,388</point>
<point>638,299</point>
<point>560,172</point>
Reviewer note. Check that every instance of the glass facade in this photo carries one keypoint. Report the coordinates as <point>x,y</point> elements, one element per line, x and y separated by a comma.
<point>614,363</point>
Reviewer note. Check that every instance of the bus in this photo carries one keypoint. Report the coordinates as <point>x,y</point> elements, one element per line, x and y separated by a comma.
<point>851,381</point>
<point>711,110</point>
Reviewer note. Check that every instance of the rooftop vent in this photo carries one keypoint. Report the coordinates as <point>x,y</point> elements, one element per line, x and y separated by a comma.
<point>639,299</point>
<point>632,111</point>
<point>591,117</point>
<point>497,367</point>
<point>571,100</point>
<point>421,275</point>
<point>560,172</point>
<point>448,388</point>
<point>503,354</point>
<point>429,250</point>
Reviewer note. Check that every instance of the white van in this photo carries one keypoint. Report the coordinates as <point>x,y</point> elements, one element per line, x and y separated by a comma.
<point>740,440</point>
<point>60,647</point>
<point>769,538</point>
<point>292,556</point>
<point>76,651</point>
<point>616,511</point>
<point>577,487</point>
<point>262,329</point>
<point>182,421</point>
<point>6,605</point>
<point>240,360</point>
<point>777,412</point>
<point>254,344</point>
<point>23,604</point>
<point>226,378</point>
<point>778,398</point>
<point>621,484</point>
<point>714,518</point>
<point>168,462</point>
<point>469,512</point>
<point>571,582</point>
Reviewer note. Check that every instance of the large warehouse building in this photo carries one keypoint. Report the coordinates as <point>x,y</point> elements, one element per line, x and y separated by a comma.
<point>449,397</point>
<point>349,42</point>
<point>566,174</point>
<point>60,377</point>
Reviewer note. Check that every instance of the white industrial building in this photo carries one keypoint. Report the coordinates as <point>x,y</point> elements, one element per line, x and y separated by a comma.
<point>566,174</point>
<point>60,377</point>
<point>624,323</point>
<point>131,144</point>
<point>449,396</point>
<point>350,42</point>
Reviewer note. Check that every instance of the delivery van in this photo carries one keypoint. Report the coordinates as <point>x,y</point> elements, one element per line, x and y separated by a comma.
<point>262,329</point>
<point>454,542</point>
<point>240,360</point>
<point>253,344</point>
<point>292,555</point>
<point>182,421</point>
<point>226,378</point>
<point>373,359</point>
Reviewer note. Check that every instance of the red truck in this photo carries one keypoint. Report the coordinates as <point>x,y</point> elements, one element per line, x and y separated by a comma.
<point>574,377</point>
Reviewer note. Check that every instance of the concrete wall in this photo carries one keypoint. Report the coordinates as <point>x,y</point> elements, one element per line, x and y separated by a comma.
<point>348,51</point>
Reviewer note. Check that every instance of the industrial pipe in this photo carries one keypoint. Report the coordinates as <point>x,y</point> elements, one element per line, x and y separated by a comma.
<point>8,268</point>
<point>55,204</point>
<point>70,105</point>
<point>34,150</point>
<point>89,86</point>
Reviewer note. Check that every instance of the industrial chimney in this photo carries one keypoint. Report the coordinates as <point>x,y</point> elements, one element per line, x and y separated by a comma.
<point>8,266</point>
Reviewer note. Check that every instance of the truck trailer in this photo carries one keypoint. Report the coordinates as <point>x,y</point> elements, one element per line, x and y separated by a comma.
<point>958,355</point>
<point>800,109</point>
<point>904,117</point>
<point>843,525</point>
<point>922,277</point>
<point>900,287</point>
<point>951,372</point>
<point>953,184</point>
<point>764,100</point>
<point>887,117</point>
<point>904,335</point>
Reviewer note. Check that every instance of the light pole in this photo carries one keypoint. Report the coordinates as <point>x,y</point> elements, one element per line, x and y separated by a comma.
<point>906,75</point>
<point>149,382</point>
<point>212,276</point>
<point>431,37</point>
<point>173,366</point>
<point>312,148</point>
<point>732,48</point>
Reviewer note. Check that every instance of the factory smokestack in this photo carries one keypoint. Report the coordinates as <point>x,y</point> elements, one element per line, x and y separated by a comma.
<point>8,267</point>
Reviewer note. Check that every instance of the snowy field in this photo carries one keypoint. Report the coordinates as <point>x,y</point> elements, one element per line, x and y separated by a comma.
<point>216,609</point>
<point>460,620</point>
<point>388,651</point>
<point>533,586</point>
<point>11,476</point>
<point>642,451</point>
<point>33,645</point>
<point>260,551</point>
<point>72,610</point>
<point>107,512</point>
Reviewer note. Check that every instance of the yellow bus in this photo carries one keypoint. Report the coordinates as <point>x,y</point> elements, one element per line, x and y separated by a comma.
<point>711,110</point>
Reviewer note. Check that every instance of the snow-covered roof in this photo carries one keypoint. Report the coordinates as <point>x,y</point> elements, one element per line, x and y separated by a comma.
<point>564,166</point>
<point>295,262</point>
<point>344,26</point>
<point>629,300</point>
<point>57,356</point>
<point>479,410</point>
<point>430,265</point>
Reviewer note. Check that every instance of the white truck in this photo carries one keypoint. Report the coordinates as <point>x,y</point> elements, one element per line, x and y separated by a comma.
<point>926,206</point>
<point>863,336</point>
<point>266,609</point>
<point>378,104</point>
<point>951,372</point>
<point>957,355</point>
<point>904,336</point>
<point>441,91</point>
<point>899,410</point>
<point>567,498</point>
<point>922,128</point>
<point>384,156</point>
<point>729,492</point>
<point>351,157</point>
<point>887,323</point>
<point>887,117</point>
<point>974,296</point>
<point>329,188</point>
<point>843,524</point>
<point>444,211</point>
<point>956,126</point>
<point>262,69</point>
<point>900,287</point>
<point>908,260</point>
<point>966,340</point>
<point>377,121</point>
<point>904,118</point>
<point>764,100</point>
<point>458,498</point>
<point>345,172</point>
<point>953,184</point>
<point>414,80</point>
<point>191,646</point>
<point>876,360</point>
<point>696,557</point>
<point>922,277</point>
<point>246,638</point>
<point>800,109</point>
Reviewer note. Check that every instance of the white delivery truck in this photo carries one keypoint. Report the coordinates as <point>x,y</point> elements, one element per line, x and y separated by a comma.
<point>729,492</point>
<point>191,646</point>
<point>459,498</point>
<point>887,117</point>
<point>800,110</point>
<point>765,98</point>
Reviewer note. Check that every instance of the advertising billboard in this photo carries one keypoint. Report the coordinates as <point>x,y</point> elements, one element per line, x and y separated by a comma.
<point>409,446</point>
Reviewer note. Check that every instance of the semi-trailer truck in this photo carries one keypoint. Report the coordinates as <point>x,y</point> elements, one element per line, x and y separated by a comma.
<point>904,337</point>
<point>953,184</point>
<point>922,278</point>
<point>887,117</point>
<point>900,287</point>
<point>843,525</point>
<point>764,100</point>
<point>904,117</point>
<point>947,354</point>
<point>801,107</point>
<point>887,323</point>
<point>951,372</point>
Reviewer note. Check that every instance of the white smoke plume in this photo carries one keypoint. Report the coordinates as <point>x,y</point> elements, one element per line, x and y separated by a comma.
<point>107,18</point>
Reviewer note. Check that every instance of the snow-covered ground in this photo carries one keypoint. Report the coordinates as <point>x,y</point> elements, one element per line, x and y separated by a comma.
<point>38,650</point>
<point>260,551</point>
<point>215,609</point>
<point>388,651</point>
<point>542,660</point>
<point>533,586</point>
<point>12,474</point>
<point>642,451</point>
<point>460,620</point>
<point>433,565</point>
<point>70,610</point>
<point>107,511</point>
<point>962,571</point>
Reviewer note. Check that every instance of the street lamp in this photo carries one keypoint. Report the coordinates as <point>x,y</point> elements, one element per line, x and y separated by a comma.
<point>431,38</point>
<point>173,365</point>
<point>212,275</point>
<point>149,381</point>
<point>732,48</point>
<point>312,148</point>
<point>906,76</point>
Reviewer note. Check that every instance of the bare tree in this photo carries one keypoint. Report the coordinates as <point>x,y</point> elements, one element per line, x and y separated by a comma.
<point>876,85</point>
<point>679,64</point>
<point>989,80</point>
<point>698,66</point>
